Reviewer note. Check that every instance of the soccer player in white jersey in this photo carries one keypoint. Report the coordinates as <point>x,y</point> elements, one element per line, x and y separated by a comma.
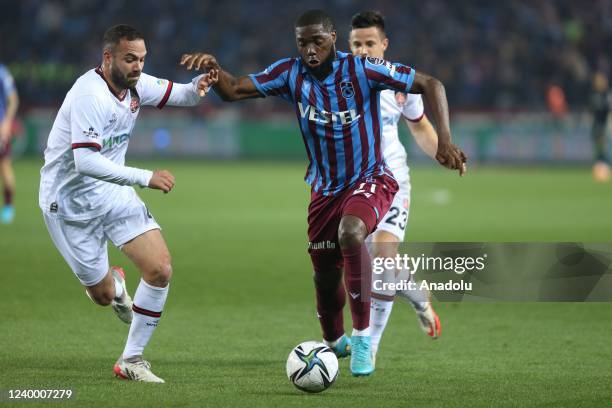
<point>367,37</point>
<point>86,192</point>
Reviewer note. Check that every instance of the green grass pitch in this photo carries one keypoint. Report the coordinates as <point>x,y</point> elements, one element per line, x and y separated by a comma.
<point>242,297</point>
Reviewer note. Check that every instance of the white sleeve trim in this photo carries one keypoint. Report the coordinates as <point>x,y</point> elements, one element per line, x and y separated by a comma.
<point>413,109</point>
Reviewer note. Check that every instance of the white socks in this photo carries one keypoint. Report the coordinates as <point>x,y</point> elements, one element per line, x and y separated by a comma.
<point>380,310</point>
<point>148,305</point>
<point>331,344</point>
<point>417,298</point>
<point>364,332</point>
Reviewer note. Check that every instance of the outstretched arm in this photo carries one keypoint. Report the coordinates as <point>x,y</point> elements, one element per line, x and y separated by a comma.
<point>161,92</point>
<point>426,137</point>
<point>434,93</point>
<point>228,87</point>
<point>191,93</point>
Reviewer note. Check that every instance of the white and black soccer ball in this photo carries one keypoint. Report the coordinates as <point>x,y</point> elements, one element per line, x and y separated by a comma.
<point>312,366</point>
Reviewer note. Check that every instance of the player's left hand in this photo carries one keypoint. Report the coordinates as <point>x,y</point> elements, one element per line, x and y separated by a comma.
<point>207,80</point>
<point>452,157</point>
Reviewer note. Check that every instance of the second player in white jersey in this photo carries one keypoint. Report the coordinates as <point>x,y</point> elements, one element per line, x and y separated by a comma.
<point>393,107</point>
<point>367,37</point>
<point>86,192</point>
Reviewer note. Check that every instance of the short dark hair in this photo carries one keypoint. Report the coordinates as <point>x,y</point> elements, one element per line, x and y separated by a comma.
<point>312,17</point>
<point>367,19</point>
<point>119,32</point>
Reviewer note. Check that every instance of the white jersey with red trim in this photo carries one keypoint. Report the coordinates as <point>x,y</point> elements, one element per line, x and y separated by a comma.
<point>394,105</point>
<point>92,116</point>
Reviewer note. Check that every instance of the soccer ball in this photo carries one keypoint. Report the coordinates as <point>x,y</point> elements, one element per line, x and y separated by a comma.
<point>312,366</point>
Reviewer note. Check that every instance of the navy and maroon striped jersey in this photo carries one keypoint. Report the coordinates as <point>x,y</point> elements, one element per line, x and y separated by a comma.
<point>340,116</point>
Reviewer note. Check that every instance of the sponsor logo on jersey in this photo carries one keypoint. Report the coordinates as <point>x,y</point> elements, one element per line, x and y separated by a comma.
<point>390,67</point>
<point>375,61</point>
<point>162,82</point>
<point>321,245</point>
<point>379,61</point>
<point>321,116</point>
<point>347,89</point>
<point>111,122</point>
<point>91,133</point>
<point>115,141</point>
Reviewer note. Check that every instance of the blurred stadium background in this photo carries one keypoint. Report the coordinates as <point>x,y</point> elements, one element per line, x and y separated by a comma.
<point>518,73</point>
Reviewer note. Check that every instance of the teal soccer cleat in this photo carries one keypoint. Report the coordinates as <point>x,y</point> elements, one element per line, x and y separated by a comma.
<point>8,214</point>
<point>361,356</point>
<point>343,347</point>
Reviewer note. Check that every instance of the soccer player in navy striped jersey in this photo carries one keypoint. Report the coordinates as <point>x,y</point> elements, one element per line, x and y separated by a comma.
<point>336,99</point>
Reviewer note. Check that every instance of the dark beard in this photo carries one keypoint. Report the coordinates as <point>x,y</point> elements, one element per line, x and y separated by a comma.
<point>325,68</point>
<point>120,80</point>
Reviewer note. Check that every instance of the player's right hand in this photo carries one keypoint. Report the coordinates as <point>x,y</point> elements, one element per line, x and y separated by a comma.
<point>452,157</point>
<point>207,80</point>
<point>162,180</point>
<point>198,60</point>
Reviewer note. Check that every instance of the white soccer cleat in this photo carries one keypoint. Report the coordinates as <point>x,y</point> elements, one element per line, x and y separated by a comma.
<point>420,300</point>
<point>123,306</point>
<point>135,369</point>
<point>429,321</point>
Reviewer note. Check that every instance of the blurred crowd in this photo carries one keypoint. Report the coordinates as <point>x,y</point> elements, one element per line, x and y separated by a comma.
<point>490,55</point>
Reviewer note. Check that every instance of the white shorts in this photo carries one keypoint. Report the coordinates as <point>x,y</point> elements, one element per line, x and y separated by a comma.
<point>395,220</point>
<point>83,243</point>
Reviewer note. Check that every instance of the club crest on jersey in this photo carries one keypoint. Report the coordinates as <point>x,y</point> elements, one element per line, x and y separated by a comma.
<point>400,99</point>
<point>347,89</point>
<point>134,103</point>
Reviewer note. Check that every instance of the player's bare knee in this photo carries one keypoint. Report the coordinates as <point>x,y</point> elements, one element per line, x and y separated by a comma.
<point>352,232</point>
<point>159,275</point>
